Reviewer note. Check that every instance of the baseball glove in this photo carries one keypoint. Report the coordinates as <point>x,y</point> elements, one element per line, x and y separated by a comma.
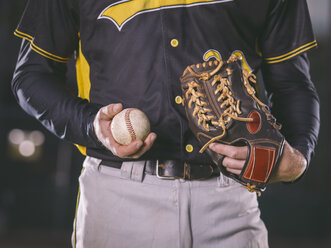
<point>221,106</point>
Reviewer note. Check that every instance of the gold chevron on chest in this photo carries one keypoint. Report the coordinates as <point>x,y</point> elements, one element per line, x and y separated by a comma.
<point>123,11</point>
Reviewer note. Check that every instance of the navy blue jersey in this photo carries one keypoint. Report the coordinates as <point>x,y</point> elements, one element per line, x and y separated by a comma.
<point>134,52</point>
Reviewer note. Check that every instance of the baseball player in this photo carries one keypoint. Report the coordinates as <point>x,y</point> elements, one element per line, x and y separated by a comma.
<point>132,54</point>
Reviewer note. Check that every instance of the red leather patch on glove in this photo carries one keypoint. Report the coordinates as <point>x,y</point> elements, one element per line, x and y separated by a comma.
<point>260,164</point>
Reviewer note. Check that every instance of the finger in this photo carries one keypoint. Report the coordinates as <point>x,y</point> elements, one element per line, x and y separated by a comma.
<point>234,171</point>
<point>232,163</point>
<point>135,152</point>
<point>149,141</point>
<point>236,152</point>
<point>109,111</point>
<point>125,151</point>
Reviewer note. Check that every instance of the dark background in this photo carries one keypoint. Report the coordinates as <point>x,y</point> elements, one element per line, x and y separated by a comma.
<point>38,193</point>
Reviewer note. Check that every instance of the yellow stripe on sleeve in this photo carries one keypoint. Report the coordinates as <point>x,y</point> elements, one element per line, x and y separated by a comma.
<point>23,35</point>
<point>49,55</point>
<point>46,56</point>
<point>39,50</point>
<point>291,54</point>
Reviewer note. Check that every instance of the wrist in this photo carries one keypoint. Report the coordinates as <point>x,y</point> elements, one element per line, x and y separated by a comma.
<point>90,128</point>
<point>291,166</point>
<point>92,133</point>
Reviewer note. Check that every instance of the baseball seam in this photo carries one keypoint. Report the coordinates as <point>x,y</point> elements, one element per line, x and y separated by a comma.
<point>129,125</point>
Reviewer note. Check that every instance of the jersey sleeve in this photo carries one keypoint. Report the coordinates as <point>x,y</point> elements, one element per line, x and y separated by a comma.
<point>287,32</point>
<point>51,28</point>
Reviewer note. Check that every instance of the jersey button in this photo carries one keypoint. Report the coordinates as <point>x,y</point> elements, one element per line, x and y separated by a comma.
<point>189,148</point>
<point>178,100</point>
<point>174,42</point>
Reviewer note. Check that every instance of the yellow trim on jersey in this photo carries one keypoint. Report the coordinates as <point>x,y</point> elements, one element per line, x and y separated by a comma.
<point>244,62</point>
<point>247,67</point>
<point>23,35</point>
<point>291,54</point>
<point>212,53</point>
<point>83,75</point>
<point>39,50</point>
<point>123,11</point>
<point>35,48</point>
<point>47,54</point>
<point>83,82</point>
<point>82,149</point>
<point>257,49</point>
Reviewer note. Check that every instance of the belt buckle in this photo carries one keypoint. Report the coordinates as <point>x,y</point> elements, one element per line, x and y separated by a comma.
<point>163,177</point>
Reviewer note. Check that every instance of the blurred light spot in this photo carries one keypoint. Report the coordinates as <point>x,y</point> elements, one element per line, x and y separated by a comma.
<point>16,136</point>
<point>27,148</point>
<point>37,138</point>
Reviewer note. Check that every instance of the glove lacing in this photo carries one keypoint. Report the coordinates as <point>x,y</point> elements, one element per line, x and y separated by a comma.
<point>203,112</point>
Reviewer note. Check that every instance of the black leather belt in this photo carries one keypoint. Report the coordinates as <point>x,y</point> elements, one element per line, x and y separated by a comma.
<point>173,169</point>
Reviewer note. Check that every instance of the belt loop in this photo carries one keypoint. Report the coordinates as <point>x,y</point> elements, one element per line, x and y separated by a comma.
<point>126,169</point>
<point>133,170</point>
<point>138,170</point>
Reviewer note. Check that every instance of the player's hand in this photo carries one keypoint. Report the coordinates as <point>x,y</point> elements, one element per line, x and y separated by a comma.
<point>102,130</point>
<point>235,156</point>
<point>291,165</point>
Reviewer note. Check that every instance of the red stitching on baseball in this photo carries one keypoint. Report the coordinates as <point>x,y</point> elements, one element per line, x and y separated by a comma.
<point>129,125</point>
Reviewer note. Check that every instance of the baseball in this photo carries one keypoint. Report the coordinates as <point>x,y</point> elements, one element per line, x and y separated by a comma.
<point>128,125</point>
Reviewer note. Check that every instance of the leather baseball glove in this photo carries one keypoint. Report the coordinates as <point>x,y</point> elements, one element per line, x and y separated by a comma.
<point>221,106</point>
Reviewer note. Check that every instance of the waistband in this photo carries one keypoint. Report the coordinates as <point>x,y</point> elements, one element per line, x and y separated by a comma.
<point>171,169</point>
